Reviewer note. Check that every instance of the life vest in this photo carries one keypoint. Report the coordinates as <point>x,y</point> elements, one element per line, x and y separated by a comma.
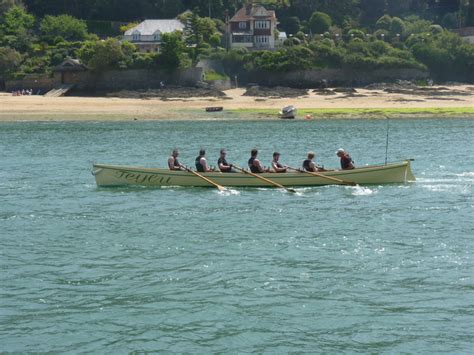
<point>307,165</point>
<point>252,167</point>
<point>199,166</point>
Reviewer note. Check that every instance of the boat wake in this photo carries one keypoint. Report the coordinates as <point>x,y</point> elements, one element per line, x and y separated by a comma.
<point>362,191</point>
<point>228,192</point>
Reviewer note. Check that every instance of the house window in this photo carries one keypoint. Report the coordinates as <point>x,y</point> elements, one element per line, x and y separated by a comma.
<point>262,25</point>
<point>242,25</point>
<point>241,39</point>
<point>261,39</point>
<point>157,37</point>
<point>136,36</point>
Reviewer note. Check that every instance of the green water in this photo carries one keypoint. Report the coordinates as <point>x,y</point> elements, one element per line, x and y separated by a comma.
<point>331,269</point>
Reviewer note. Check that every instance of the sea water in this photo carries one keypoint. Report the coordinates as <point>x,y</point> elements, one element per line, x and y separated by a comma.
<point>331,269</point>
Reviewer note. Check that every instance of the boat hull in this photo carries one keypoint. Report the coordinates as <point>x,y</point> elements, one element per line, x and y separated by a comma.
<point>111,175</point>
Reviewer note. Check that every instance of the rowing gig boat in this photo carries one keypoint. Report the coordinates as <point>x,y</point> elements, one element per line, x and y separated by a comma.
<point>112,175</point>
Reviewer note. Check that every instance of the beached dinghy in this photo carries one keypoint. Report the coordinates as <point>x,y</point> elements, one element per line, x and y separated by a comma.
<point>288,112</point>
<point>111,175</point>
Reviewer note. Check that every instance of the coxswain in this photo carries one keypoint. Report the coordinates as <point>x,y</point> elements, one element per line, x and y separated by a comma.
<point>173,163</point>
<point>276,166</point>
<point>346,161</point>
<point>222,163</point>
<point>201,162</point>
<point>254,164</point>
<point>310,166</point>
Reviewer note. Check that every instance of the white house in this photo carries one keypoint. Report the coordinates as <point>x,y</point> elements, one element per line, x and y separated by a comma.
<point>282,37</point>
<point>147,35</point>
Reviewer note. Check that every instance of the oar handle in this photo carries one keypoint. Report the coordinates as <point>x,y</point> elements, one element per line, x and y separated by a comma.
<point>271,182</point>
<point>351,183</point>
<point>221,188</point>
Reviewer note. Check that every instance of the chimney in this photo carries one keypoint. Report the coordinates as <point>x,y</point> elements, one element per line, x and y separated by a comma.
<point>248,8</point>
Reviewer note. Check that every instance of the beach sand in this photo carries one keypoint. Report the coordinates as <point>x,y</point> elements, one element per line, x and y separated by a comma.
<point>364,104</point>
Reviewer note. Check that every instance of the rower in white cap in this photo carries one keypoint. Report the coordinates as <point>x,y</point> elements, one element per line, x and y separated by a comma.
<point>346,161</point>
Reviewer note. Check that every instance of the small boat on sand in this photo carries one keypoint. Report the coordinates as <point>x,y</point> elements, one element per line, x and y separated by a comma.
<point>288,112</point>
<point>113,175</point>
<point>214,109</point>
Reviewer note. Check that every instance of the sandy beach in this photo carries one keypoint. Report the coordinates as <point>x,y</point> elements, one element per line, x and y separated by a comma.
<point>454,101</point>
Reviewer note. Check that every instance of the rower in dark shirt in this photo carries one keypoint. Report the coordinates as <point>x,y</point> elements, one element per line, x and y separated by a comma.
<point>254,164</point>
<point>201,162</point>
<point>173,163</point>
<point>222,163</point>
<point>346,161</point>
<point>276,165</point>
<point>310,166</point>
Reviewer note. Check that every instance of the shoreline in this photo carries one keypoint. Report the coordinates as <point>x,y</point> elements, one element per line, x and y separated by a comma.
<point>366,104</point>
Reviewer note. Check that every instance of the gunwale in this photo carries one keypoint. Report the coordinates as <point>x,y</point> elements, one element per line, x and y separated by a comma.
<point>229,179</point>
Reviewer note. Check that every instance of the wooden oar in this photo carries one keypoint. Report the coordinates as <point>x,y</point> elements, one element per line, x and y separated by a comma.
<point>264,179</point>
<point>351,183</point>
<point>221,188</point>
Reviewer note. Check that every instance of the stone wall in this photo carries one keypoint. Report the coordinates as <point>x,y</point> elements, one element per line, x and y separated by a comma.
<point>109,81</point>
<point>145,79</point>
<point>38,82</point>
<point>334,77</point>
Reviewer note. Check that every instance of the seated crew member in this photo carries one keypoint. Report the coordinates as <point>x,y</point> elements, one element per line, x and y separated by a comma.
<point>254,164</point>
<point>173,163</point>
<point>346,161</point>
<point>201,162</point>
<point>309,164</point>
<point>222,163</point>
<point>276,166</point>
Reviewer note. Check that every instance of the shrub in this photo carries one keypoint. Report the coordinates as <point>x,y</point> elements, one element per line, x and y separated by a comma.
<point>64,26</point>
<point>397,26</point>
<point>320,22</point>
<point>384,23</point>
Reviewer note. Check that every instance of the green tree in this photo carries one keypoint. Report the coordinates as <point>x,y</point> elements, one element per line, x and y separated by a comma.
<point>384,23</point>
<point>10,60</point>
<point>397,26</point>
<point>172,50</point>
<point>215,40</point>
<point>15,20</point>
<point>320,22</point>
<point>450,20</point>
<point>108,54</point>
<point>6,5</point>
<point>292,25</point>
<point>64,26</point>
<point>16,29</point>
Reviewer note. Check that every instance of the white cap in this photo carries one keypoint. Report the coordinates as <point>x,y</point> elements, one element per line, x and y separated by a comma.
<point>340,150</point>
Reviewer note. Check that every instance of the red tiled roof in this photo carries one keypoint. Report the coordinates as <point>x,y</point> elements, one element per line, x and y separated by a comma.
<point>241,15</point>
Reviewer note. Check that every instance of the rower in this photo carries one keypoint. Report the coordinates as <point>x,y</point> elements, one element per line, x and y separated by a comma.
<point>173,163</point>
<point>254,164</point>
<point>346,161</point>
<point>310,166</point>
<point>276,166</point>
<point>201,162</point>
<point>222,163</point>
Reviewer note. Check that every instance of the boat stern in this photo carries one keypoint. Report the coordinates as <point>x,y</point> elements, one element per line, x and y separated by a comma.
<point>409,176</point>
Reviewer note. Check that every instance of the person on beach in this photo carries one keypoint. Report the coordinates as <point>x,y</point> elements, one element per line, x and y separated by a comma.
<point>346,161</point>
<point>222,163</point>
<point>276,165</point>
<point>173,163</point>
<point>254,164</point>
<point>310,166</point>
<point>201,162</point>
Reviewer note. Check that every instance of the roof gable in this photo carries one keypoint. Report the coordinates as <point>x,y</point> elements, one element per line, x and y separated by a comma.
<point>248,13</point>
<point>71,65</point>
<point>150,27</point>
